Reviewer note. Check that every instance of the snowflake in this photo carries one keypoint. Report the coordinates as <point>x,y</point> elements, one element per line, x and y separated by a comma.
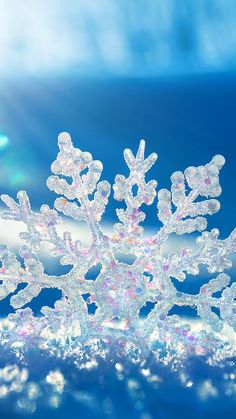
<point>121,288</point>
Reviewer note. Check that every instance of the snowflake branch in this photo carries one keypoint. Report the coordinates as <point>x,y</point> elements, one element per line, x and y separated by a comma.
<point>204,301</point>
<point>129,230</point>
<point>71,162</point>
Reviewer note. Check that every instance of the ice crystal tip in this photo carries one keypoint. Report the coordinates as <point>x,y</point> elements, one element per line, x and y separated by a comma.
<point>64,139</point>
<point>122,289</point>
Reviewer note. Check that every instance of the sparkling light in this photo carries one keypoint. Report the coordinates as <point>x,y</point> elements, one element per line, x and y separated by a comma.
<point>4,141</point>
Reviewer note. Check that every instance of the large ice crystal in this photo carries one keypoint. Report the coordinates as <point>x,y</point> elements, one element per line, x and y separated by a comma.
<point>121,289</point>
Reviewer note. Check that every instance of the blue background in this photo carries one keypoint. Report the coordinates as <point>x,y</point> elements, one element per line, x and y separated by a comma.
<point>186,120</point>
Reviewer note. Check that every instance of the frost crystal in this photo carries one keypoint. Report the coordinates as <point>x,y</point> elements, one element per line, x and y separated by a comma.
<point>121,289</point>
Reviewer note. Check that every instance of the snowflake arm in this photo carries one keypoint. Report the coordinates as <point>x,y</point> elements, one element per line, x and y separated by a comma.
<point>212,252</point>
<point>129,229</point>
<point>205,300</point>
<point>41,227</point>
<point>72,162</point>
<point>203,181</point>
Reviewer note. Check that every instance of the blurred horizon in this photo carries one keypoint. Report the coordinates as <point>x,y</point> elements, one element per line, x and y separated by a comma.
<point>117,38</point>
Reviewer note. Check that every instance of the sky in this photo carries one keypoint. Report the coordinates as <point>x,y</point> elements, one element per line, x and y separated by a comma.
<point>116,37</point>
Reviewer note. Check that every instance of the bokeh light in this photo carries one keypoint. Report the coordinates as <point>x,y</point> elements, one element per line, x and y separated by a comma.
<point>4,141</point>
